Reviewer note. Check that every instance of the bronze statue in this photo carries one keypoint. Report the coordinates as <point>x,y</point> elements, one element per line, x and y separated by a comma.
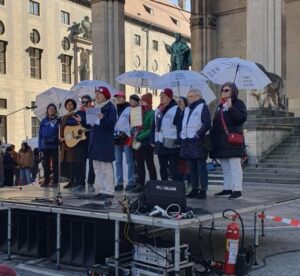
<point>84,28</point>
<point>181,58</point>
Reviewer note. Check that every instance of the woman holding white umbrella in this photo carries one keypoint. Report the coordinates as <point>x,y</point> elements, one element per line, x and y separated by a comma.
<point>229,118</point>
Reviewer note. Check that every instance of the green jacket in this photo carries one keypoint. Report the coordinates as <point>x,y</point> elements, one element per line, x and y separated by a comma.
<point>144,135</point>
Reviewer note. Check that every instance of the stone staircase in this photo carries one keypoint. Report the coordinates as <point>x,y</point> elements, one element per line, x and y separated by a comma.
<point>280,166</point>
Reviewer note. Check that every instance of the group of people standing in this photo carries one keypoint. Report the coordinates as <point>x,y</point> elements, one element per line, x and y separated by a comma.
<point>175,132</point>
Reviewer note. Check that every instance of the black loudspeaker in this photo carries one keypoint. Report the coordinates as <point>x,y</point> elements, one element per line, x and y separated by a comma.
<point>164,193</point>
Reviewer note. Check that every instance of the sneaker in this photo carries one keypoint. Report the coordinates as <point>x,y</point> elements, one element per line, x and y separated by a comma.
<point>236,195</point>
<point>78,189</point>
<point>119,187</point>
<point>130,187</point>
<point>193,193</point>
<point>91,188</point>
<point>202,194</point>
<point>223,193</point>
<point>68,186</point>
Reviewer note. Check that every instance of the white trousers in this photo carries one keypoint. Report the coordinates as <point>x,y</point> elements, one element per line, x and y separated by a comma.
<point>104,177</point>
<point>232,173</point>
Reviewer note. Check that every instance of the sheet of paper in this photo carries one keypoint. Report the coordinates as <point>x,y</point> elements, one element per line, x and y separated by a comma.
<point>136,118</point>
<point>92,116</point>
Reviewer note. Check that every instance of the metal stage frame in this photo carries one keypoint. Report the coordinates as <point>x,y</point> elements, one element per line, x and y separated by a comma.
<point>253,204</point>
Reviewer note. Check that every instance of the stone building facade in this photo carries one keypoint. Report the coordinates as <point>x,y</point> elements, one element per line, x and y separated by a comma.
<point>39,50</point>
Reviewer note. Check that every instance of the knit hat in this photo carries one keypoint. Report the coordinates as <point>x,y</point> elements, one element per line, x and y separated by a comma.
<point>147,98</point>
<point>120,94</point>
<point>72,101</point>
<point>52,104</point>
<point>86,99</point>
<point>104,90</point>
<point>168,92</point>
<point>134,97</point>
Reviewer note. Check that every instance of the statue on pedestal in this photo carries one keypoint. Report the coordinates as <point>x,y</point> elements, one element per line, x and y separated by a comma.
<point>84,28</point>
<point>181,58</point>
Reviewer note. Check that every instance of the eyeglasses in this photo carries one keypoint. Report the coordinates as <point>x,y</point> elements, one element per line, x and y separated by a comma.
<point>225,90</point>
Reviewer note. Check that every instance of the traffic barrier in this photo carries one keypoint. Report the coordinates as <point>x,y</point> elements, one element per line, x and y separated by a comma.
<point>292,222</point>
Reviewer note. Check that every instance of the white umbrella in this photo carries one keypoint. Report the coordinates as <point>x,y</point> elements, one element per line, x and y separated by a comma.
<point>244,73</point>
<point>87,87</point>
<point>137,78</point>
<point>181,81</point>
<point>54,96</point>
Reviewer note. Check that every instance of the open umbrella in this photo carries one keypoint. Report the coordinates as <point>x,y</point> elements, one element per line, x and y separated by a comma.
<point>244,73</point>
<point>55,96</point>
<point>137,78</point>
<point>87,87</point>
<point>181,81</point>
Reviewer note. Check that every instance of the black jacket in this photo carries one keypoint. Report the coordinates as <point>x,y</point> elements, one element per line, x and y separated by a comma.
<point>234,118</point>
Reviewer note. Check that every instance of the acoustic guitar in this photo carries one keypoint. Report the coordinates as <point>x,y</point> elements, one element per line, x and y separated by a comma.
<point>74,134</point>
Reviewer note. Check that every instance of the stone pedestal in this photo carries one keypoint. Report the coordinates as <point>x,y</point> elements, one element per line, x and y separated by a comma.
<point>203,33</point>
<point>108,40</point>
<point>266,37</point>
<point>264,130</point>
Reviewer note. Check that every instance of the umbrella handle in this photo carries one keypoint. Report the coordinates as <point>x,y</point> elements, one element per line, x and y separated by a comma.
<point>236,71</point>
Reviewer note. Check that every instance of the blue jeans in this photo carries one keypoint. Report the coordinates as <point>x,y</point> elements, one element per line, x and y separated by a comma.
<point>25,176</point>
<point>119,165</point>
<point>198,171</point>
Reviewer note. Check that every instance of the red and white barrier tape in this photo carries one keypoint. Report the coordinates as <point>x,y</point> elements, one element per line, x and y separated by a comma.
<point>292,222</point>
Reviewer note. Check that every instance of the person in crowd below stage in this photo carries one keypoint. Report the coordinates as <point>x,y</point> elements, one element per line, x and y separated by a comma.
<point>17,169</point>
<point>234,113</point>
<point>9,165</point>
<point>35,168</point>
<point>122,134</point>
<point>86,102</point>
<point>101,147</point>
<point>72,156</point>
<point>25,161</point>
<point>145,152</point>
<point>196,122</point>
<point>182,103</point>
<point>48,145</point>
<point>166,130</point>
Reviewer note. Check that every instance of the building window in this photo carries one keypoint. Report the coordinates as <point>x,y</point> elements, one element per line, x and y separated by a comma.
<point>35,126</point>
<point>35,36</point>
<point>65,17</point>
<point>3,128</point>
<point>2,2</point>
<point>175,21</point>
<point>3,57</point>
<point>35,63</point>
<point>137,40</point>
<point>65,44</point>
<point>66,62</point>
<point>2,28</point>
<point>155,45</point>
<point>34,8</point>
<point>3,104</point>
<point>148,10</point>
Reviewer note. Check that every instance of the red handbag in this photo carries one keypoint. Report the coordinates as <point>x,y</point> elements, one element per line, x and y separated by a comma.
<point>233,138</point>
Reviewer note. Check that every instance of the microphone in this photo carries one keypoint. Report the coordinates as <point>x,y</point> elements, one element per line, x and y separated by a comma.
<point>31,107</point>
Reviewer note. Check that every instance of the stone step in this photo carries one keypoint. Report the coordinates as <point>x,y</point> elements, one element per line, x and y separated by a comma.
<point>272,170</point>
<point>270,156</point>
<point>280,160</point>
<point>278,165</point>
<point>262,174</point>
<point>271,180</point>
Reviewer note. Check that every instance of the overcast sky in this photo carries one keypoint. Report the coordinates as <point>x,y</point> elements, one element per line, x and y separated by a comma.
<point>188,3</point>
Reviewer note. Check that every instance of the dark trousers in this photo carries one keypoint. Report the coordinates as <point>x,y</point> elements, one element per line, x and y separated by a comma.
<point>50,155</point>
<point>8,177</point>
<point>91,173</point>
<point>168,163</point>
<point>76,174</point>
<point>198,171</point>
<point>142,155</point>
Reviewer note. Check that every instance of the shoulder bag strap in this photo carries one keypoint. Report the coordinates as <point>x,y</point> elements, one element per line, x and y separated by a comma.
<point>223,122</point>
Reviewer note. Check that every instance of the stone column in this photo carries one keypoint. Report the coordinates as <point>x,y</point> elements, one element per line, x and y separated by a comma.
<point>266,36</point>
<point>203,32</point>
<point>108,40</point>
